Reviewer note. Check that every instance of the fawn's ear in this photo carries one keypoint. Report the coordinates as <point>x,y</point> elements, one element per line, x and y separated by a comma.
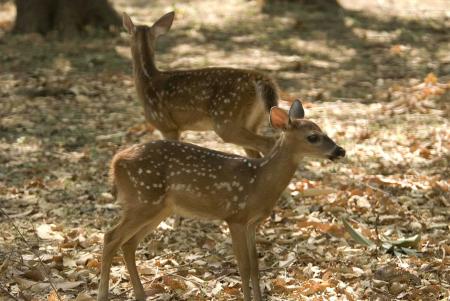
<point>163,24</point>
<point>127,23</point>
<point>278,118</point>
<point>296,111</point>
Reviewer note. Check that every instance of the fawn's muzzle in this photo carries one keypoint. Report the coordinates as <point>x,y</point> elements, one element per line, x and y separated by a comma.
<point>338,152</point>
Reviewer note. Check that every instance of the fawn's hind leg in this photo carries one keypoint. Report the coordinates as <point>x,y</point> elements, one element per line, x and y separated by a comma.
<point>129,254</point>
<point>246,138</point>
<point>252,153</point>
<point>253,125</point>
<point>171,135</point>
<point>132,222</point>
<point>113,239</point>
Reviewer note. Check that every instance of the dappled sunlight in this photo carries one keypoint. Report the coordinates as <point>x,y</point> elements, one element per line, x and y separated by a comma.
<point>404,8</point>
<point>377,36</point>
<point>294,44</point>
<point>374,225</point>
<point>23,146</point>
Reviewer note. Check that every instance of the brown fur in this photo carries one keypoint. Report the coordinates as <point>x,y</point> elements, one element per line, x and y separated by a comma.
<point>219,99</point>
<point>157,179</point>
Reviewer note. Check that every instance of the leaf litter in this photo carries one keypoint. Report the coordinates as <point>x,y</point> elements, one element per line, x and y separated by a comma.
<point>373,227</point>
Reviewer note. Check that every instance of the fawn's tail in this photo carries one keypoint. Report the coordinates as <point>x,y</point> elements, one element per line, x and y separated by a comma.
<point>268,92</point>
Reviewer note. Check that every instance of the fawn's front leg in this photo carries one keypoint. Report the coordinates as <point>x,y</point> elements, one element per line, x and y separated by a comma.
<point>241,251</point>
<point>253,257</point>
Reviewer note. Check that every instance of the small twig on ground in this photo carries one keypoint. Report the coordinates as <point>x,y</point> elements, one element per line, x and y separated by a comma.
<point>44,267</point>
<point>5,263</point>
<point>7,292</point>
<point>224,275</point>
<point>198,284</point>
<point>377,221</point>
<point>377,189</point>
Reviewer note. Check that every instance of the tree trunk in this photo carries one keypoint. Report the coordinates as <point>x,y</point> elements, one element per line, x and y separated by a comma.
<point>67,17</point>
<point>329,3</point>
<point>319,4</point>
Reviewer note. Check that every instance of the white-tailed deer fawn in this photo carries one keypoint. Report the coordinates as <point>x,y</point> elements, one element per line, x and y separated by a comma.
<point>232,102</point>
<point>156,179</point>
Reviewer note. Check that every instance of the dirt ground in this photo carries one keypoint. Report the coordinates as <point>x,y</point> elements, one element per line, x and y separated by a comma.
<point>375,75</point>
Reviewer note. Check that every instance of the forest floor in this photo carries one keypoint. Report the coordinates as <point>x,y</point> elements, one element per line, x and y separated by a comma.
<point>374,226</point>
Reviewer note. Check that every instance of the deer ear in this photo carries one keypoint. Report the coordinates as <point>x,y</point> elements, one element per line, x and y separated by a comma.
<point>163,24</point>
<point>127,23</point>
<point>278,118</point>
<point>296,111</point>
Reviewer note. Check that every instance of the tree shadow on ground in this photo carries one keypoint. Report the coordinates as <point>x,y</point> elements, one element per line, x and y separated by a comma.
<point>59,97</point>
<point>349,54</point>
<point>91,53</point>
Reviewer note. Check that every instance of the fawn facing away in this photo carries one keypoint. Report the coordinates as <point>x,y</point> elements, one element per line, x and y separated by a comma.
<point>157,179</point>
<point>232,102</point>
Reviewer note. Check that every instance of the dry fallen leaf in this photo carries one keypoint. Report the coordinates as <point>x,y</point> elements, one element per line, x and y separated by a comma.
<point>33,286</point>
<point>311,287</point>
<point>45,231</point>
<point>68,285</point>
<point>174,283</point>
<point>333,229</point>
<point>53,296</point>
<point>93,264</point>
<point>4,265</point>
<point>312,192</point>
<point>69,262</point>
<point>369,87</point>
<point>34,274</point>
<point>84,297</point>
<point>431,79</point>
<point>155,289</point>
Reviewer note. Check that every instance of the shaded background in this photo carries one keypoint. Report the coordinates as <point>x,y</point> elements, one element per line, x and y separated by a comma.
<point>374,74</point>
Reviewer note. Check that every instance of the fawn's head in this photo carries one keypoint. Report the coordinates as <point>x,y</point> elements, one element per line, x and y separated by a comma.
<point>145,36</point>
<point>305,135</point>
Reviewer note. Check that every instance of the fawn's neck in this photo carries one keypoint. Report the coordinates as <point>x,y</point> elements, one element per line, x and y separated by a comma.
<point>277,168</point>
<point>144,60</point>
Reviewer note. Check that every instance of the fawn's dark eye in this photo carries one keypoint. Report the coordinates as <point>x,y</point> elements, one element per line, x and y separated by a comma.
<point>314,138</point>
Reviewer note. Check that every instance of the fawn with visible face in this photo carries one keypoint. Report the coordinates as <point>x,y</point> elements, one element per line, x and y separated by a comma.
<point>232,102</point>
<point>157,179</point>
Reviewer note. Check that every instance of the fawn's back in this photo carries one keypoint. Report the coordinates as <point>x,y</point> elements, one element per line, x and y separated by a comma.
<point>205,98</point>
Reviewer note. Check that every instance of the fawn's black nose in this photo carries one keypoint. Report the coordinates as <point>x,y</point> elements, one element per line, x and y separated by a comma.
<point>338,152</point>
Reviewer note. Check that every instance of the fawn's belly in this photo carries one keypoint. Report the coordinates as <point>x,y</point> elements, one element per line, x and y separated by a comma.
<point>191,206</point>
